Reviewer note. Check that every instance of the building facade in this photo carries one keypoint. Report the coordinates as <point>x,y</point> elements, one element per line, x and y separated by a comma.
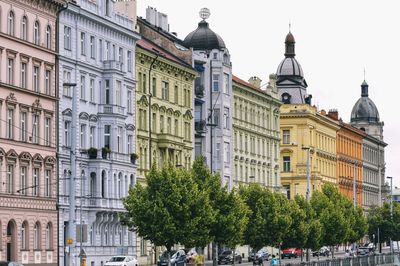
<point>213,103</point>
<point>97,129</point>
<point>256,133</point>
<point>305,130</point>
<point>365,116</point>
<point>349,149</point>
<point>28,119</point>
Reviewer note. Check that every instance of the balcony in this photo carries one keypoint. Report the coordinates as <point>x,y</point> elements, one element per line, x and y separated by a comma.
<point>200,126</point>
<point>111,109</point>
<point>199,91</point>
<point>112,65</point>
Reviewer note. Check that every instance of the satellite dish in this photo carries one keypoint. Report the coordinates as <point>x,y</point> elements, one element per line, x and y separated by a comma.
<point>204,13</point>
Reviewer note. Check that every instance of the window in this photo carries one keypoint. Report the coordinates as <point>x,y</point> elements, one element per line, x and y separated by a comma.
<point>165,90</point>
<point>67,79</point>
<point>10,71</point>
<point>215,82</point>
<point>144,79</point>
<point>47,178</point>
<point>101,50</point>
<point>107,52</point>
<point>129,101</point>
<point>10,124</point>
<point>83,87</point>
<point>67,38</point>
<point>154,87</point>
<point>92,47</point>
<point>36,78</point>
<point>47,82</point>
<point>83,43</point>
<point>286,136</point>
<point>22,182</point>
<point>286,163</point>
<point>118,93</point>
<point>35,129</point>
<point>227,148</point>
<point>48,37</point>
<point>226,117</point>
<point>35,182</point>
<point>218,151</point>
<point>176,94</point>
<point>187,131</point>
<point>176,130</point>
<point>169,125</point>
<point>11,23</point>
<point>154,123</point>
<point>49,236</point>
<point>83,136</point>
<point>10,179</point>
<point>226,83</point>
<point>36,236</point>
<point>24,28</point>
<point>23,75</point>
<point>91,90</point>
<point>67,130</point>
<point>47,131</point>
<point>129,142</point>
<point>107,91</point>
<point>216,115</point>
<point>24,236</point>
<point>161,124</point>
<point>120,55</point>
<point>107,136</point>
<point>22,126</point>
<point>36,33</point>
<point>107,8</point>
<point>92,136</point>
<point>119,139</point>
<point>129,61</point>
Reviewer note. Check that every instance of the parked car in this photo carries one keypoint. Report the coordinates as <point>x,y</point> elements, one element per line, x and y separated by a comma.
<point>252,255</point>
<point>122,261</point>
<point>163,259</point>
<point>226,257</point>
<point>178,258</point>
<point>291,253</point>
<point>260,257</point>
<point>10,263</point>
<point>324,251</point>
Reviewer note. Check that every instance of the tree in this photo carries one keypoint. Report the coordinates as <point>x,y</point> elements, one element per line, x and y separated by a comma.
<point>170,209</point>
<point>379,219</point>
<point>313,239</point>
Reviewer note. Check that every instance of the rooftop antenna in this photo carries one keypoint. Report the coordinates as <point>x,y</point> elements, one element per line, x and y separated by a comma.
<point>364,73</point>
<point>204,13</point>
<point>290,25</point>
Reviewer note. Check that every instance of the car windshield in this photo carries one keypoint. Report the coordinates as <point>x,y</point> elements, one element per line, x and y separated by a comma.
<point>114,259</point>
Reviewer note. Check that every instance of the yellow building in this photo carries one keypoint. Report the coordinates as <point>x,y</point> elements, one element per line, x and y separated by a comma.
<point>303,127</point>
<point>164,108</point>
<point>256,133</point>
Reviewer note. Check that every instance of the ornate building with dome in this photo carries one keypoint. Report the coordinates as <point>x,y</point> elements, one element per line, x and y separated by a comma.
<point>365,116</point>
<point>213,103</point>
<point>292,86</point>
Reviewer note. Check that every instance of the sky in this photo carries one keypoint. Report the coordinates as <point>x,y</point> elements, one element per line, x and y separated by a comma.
<point>335,42</point>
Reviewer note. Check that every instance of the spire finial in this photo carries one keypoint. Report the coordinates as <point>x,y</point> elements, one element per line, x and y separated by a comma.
<point>364,73</point>
<point>204,13</point>
<point>290,25</point>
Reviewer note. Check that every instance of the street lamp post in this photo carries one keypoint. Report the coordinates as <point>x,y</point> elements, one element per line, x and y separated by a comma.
<point>391,209</point>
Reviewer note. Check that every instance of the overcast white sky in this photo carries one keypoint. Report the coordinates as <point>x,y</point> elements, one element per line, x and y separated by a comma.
<point>335,41</point>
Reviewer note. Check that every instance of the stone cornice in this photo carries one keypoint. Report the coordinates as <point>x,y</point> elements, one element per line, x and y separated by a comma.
<point>26,202</point>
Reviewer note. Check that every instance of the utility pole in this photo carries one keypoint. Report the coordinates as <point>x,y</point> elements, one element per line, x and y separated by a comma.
<point>72,197</point>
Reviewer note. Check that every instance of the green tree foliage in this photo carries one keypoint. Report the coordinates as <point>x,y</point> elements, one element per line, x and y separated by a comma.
<point>268,219</point>
<point>230,210</point>
<point>314,226</point>
<point>170,209</point>
<point>379,217</point>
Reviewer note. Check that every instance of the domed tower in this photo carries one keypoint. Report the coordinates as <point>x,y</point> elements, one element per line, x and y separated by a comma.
<point>203,38</point>
<point>365,115</point>
<point>292,87</point>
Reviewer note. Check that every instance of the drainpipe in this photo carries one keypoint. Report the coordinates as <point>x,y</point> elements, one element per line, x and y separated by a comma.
<point>151,95</point>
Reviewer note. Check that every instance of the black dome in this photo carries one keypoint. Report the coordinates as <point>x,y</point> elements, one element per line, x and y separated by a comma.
<point>203,38</point>
<point>365,110</point>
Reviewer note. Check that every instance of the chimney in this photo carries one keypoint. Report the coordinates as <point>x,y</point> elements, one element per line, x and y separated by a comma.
<point>334,114</point>
<point>157,19</point>
<point>255,81</point>
<point>322,112</point>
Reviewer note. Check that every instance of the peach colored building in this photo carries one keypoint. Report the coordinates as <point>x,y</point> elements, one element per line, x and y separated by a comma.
<point>28,109</point>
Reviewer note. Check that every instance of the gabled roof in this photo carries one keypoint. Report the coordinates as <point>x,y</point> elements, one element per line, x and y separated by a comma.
<point>152,47</point>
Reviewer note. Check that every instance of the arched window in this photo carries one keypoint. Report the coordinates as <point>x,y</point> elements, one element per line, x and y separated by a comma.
<point>119,185</point>
<point>24,28</point>
<point>48,37</point>
<point>11,23</point>
<point>106,235</point>
<point>36,33</point>
<point>49,236</point>
<point>36,236</point>
<point>24,235</point>
<point>120,235</point>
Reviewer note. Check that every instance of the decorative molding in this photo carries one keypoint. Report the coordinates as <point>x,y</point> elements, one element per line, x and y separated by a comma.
<point>84,116</point>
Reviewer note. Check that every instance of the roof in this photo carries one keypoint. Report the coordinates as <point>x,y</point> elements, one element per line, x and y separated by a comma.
<point>247,84</point>
<point>203,38</point>
<point>166,34</point>
<point>153,48</point>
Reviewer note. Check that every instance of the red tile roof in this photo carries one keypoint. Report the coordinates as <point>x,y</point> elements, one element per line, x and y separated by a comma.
<point>245,83</point>
<point>152,47</point>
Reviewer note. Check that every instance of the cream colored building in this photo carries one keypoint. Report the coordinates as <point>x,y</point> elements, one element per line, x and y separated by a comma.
<point>302,127</point>
<point>256,133</point>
